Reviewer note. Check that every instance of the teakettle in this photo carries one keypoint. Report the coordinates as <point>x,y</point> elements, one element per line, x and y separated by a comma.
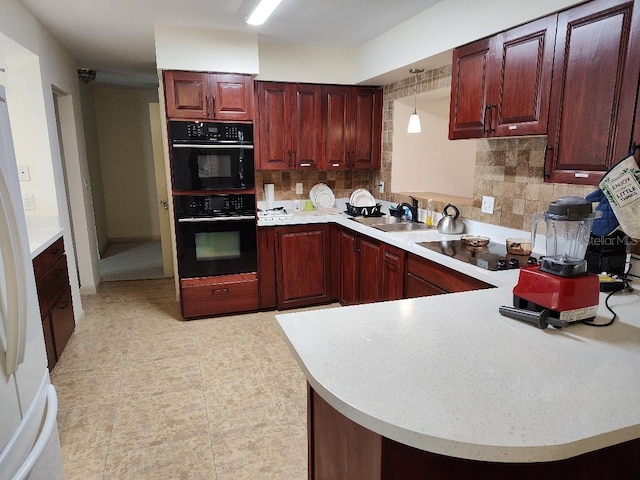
<point>450,224</point>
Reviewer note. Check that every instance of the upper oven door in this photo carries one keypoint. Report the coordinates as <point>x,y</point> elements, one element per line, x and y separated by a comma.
<point>212,167</point>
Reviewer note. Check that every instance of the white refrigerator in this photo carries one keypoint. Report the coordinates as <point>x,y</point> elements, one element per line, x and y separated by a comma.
<point>29,441</point>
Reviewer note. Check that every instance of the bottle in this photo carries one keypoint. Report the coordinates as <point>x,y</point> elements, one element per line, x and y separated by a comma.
<point>428,220</point>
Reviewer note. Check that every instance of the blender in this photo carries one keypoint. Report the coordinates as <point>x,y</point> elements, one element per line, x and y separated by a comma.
<point>561,283</point>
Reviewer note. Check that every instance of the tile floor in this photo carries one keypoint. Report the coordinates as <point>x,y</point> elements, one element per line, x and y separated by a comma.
<point>144,395</point>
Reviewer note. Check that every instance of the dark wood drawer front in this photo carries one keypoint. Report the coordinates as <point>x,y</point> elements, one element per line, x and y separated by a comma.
<point>218,295</point>
<point>417,287</point>
<point>53,284</point>
<point>443,277</point>
<point>48,258</point>
<point>62,321</point>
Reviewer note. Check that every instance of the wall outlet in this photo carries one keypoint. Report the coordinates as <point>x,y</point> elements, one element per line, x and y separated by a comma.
<point>23,173</point>
<point>381,187</point>
<point>298,189</point>
<point>487,204</point>
<point>28,202</point>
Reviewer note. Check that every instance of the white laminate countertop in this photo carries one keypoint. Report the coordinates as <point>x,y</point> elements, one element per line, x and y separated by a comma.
<point>448,374</point>
<point>42,237</point>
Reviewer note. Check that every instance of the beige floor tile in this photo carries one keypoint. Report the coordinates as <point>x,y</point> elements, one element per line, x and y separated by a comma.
<point>269,451</point>
<point>158,375</point>
<point>154,323</point>
<point>144,420</point>
<point>186,458</point>
<point>162,345</point>
<point>93,352</point>
<point>77,389</point>
<point>84,439</point>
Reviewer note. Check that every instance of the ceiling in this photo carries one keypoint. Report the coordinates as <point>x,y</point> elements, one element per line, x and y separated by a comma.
<point>116,37</point>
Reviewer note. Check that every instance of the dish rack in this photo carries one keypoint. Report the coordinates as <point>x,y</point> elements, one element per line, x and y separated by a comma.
<point>365,211</point>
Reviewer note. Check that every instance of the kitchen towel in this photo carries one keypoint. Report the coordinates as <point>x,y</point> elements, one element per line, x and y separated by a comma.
<point>621,186</point>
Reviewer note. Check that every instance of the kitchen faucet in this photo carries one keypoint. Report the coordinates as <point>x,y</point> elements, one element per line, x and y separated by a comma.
<point>413,208</point>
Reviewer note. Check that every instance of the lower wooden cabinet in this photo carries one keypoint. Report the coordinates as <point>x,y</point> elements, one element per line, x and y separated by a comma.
<point>303,267</point>
<point>370,270</point>
<point>425,278</point>
<point>54,297</point>
<point>209,296</point>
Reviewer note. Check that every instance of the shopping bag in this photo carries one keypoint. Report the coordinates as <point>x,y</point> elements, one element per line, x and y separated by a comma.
<point>621,185</point>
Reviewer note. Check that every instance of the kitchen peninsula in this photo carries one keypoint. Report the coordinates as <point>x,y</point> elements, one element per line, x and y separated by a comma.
<point>448,386</point>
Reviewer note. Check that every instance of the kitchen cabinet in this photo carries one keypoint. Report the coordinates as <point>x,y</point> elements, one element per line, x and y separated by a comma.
<point>500,85</point>
<point>595,87</point>
<point>303,265</point>
<point>267,268</point>
<point>352,127</point>
<point>425,278</point>
<point>370,270</point>
<point>289,124</point>
<point>208,96</point>
<point>209,296</point>
<point>54,297</point>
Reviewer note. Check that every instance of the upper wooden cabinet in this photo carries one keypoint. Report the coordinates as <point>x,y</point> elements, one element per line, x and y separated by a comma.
<point>352,127</point>
<point>289,126</point>
<point>595,89</point>
<point>305,126</point>
<point>208,96</point>
<point>500,85</point>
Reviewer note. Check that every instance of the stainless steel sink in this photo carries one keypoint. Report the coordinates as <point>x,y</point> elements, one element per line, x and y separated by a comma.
<point>391,224</point>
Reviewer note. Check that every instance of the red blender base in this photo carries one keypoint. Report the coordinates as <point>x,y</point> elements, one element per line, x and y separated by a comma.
<point>572,299</point>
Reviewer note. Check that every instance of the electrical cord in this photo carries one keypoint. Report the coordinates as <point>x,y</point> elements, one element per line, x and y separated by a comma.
<point>626,287</point>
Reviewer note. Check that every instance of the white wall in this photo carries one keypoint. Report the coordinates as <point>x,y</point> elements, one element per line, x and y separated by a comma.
<point>31,76</point>
<point>126,159</point>
<point>442,27</point>
<point>428,161</point>
<point>200,49</point>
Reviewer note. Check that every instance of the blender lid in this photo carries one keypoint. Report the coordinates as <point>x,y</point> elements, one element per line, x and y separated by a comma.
<point>570,208</point>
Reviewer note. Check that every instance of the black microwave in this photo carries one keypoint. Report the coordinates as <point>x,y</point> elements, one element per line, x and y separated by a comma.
<point>211,156</point>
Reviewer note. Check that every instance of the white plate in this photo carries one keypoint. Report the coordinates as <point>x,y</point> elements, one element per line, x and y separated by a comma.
<point>324,198</point>
<point>314,191</point>
<point>362,199</point>
<point>354,194</point>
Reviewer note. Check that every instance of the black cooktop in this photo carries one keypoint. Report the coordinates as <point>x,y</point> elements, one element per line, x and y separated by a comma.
<point>493,256</point>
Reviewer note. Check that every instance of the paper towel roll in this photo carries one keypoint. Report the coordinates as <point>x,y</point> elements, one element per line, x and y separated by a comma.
<point>269,195</point>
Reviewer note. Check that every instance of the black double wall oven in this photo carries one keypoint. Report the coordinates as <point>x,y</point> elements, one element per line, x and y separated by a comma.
<point>213,183</point>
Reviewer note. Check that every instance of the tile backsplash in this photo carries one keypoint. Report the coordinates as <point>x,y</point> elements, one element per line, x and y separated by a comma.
<point>511,169</point>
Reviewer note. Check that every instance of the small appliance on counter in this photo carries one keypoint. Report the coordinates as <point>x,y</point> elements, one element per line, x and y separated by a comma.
<point>449,224</point>
<point>561,283</point>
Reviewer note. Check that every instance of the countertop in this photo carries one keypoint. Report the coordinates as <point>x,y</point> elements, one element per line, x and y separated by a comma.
<point>42,237</point>
<point>448,374</point>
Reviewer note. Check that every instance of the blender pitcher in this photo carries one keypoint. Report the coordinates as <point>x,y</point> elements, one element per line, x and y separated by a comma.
<point>568,223</point>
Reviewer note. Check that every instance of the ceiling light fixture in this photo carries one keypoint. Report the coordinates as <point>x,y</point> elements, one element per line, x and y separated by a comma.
<point>414,119</point>
<point>86,75</point>
<point>262,11</point>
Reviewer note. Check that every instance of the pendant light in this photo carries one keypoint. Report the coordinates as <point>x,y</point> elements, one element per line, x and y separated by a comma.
<point>414,119</point>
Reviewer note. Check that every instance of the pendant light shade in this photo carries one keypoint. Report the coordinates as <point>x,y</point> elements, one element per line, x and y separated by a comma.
<point>414,119</point>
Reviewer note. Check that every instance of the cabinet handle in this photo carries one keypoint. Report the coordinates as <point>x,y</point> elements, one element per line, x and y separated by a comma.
<point>392,265</point>
<point>544,164</point>
<point>305,164</point>
<point>208,101</point>
<point>54,252</point>
<point>293,157</point>
<point>58,272</point>
<point>213,105</point>
<point>218,291</point>
<point>487,109</point>
<point>491,109</point>
<point>64,305</point>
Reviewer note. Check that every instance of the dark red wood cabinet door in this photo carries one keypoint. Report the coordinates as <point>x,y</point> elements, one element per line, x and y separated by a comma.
<point>336,130</point>
<point>233,97</point>
<point>393,266</point>
<point>521,85</point>
<point>366,128</point>
<point>469,83</point>
<point>370,253</point>
<point>186,94</point>
<point>274,125</point>
<point>302,265</point>
<point>594,90</point>
<point>267,267</point>
<point>349,273</point>
<point>307,126</point>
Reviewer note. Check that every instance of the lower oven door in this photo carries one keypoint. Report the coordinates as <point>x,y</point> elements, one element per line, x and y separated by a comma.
<point>216,246</point>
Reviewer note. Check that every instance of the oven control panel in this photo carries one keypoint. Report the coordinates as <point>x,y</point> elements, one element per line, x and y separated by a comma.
<point>215,205</point>
<point>210,132</point>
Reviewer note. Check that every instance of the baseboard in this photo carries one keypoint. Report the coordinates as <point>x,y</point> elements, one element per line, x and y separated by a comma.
<point>153,238</point>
